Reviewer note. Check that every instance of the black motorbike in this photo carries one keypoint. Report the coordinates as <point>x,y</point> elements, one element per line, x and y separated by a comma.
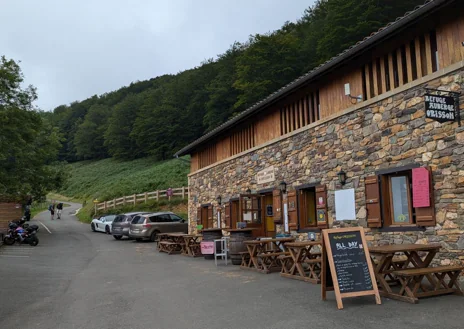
<point>29,235</point>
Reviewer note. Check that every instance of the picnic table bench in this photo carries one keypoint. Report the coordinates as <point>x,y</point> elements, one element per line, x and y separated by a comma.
<point>192,245</point>
<point>264,254</point>
<point>407,265</point>
<point>302,263</point>
<point>171,242</point>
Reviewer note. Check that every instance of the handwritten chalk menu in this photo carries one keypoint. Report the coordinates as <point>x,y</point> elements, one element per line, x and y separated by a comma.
<point>420,187</point>
<point>350,264</point>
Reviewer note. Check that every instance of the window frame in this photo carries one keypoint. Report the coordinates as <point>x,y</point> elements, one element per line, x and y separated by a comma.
<point>301,223</point>
<point>389,221</point>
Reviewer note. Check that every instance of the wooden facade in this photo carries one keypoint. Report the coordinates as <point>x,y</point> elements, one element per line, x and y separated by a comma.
<point>411,55</point>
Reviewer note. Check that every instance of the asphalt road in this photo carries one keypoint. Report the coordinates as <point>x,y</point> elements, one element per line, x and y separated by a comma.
<point>78,279</point>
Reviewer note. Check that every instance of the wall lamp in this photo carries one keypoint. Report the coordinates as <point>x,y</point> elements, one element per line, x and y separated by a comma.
<point>283,186</point>
<point>341,177</point>
<point>248,191</point>
<point>219,199</point>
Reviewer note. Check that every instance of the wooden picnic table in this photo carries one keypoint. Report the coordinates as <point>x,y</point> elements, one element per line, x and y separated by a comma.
<point>192,245</point>
<point>171,242</point>
<point>303,262</point>
<point>263,255</point>
<point>408,265</point>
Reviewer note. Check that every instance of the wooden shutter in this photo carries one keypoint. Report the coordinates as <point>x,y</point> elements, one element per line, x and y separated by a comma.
<point>199,219</point>
<point>426,216</point>
<point>292,210</point>
<point>374,218</point>
<point>210,217</point>
<point>302,209</point>
<point>277,206</point>
<point>321,206</point>
<point>227,215</point>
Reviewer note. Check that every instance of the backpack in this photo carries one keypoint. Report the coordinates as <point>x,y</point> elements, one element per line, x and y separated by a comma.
<point>50,207</point>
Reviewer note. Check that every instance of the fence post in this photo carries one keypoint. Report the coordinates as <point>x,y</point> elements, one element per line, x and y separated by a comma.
<point>157,195</point>
<point>104,206</point>
<point>114,203</point>
<point>183,192</point>
<point>146,197</point>
<point>135,199</point>
<point>124,200</point>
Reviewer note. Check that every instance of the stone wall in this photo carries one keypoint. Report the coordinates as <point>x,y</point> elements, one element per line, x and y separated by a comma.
<point>391,133</point>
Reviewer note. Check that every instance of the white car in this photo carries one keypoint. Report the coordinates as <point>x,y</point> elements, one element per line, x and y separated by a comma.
<point>102,224</point>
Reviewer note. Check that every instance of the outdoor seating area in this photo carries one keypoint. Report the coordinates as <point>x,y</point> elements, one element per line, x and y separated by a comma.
<point>403,272</point>
<point>185,244</point>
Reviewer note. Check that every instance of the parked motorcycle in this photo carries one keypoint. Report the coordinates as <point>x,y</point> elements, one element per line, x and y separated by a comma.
<point>29,235</point>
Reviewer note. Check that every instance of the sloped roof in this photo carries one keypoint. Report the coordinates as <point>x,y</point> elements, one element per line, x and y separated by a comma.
<point>392,27</point>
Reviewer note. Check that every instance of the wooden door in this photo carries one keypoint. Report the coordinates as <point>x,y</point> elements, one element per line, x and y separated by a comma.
<point>251,212</point>
<point>234,213</point>
<point>269,215</point>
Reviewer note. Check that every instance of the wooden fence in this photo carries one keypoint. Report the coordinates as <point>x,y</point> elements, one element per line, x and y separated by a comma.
<point>143,198</point>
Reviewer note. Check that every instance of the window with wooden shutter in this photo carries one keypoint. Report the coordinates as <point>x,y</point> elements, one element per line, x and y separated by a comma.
<point>425,216</point>
<point>277,206</point>
<point>292,210</point>
<point>210,217</point>
<point>227,217</point>
<point>321,207</point>
<point>371,184</point>
<point>199,222</point>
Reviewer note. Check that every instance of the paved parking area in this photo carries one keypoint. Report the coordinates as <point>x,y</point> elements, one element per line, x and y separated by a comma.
<point>78,279</point>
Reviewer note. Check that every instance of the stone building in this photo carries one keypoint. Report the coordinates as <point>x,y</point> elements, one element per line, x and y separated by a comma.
<point>378,124</point>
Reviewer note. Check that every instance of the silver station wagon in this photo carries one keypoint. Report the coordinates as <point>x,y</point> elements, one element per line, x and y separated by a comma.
<point>121,224</point>
<point>147,226</point>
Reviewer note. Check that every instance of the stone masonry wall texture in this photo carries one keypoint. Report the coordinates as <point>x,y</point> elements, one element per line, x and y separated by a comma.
<point>388,134</point>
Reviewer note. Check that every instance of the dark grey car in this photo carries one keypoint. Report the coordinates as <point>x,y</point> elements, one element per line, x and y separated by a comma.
<point>149,225</point>
<point>121,224</point>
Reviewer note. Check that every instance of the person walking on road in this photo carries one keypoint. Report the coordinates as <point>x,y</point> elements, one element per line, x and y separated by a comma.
<point>51,208</point>
<point>59,208</point>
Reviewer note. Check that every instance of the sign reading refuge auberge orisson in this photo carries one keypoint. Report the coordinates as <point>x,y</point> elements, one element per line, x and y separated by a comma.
<point>440,108</point>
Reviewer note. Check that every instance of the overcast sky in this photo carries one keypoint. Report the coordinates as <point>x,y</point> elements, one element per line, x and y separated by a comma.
<point>73,49</point>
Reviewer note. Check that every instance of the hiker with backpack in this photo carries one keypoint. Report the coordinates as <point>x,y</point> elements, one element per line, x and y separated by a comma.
<point>51,208</point>
<point>59,208</point>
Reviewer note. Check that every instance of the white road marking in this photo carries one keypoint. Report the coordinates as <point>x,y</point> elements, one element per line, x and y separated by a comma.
<point>44,226</point>
<point>14,256</point>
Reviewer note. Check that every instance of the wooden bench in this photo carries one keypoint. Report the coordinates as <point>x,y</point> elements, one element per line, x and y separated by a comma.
<point>246,260</point>
<point>170,247</point>
<point>270,261</point>
<point>413,287</point>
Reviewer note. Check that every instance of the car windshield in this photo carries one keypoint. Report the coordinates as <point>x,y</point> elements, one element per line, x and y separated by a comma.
<point>138,220</point>
<point>119,218</point>
<point>110,218</point>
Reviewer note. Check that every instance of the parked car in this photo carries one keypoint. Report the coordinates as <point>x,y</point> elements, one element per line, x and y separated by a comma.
<point>121,224</point>
<point>102,224</point>
<point>147,226</point>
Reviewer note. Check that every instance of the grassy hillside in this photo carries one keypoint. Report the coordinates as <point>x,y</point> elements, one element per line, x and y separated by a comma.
<point>107,179</point>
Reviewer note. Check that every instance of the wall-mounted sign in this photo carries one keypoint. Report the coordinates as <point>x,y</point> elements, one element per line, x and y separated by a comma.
<point>286,227</point>
<point>320,215</point>
<point>266,176</point>
<point>169,192</point>
<point>440,108</point>
<point>420,187</point>
<point>345,204</point>
<point>269,212</point>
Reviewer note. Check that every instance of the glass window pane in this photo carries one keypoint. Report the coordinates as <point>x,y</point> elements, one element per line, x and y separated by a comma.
<point>399,190</point>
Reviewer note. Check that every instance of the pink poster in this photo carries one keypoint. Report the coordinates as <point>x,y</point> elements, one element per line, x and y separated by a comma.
<point>420,188</point>
<point>207,247</point>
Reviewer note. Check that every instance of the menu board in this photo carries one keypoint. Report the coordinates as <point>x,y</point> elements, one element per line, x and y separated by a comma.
<point>350,266</point>
<point>350,262</point>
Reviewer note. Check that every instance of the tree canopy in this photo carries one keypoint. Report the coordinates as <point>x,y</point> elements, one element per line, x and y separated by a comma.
<point>159,116</point>
<point>28,142</point>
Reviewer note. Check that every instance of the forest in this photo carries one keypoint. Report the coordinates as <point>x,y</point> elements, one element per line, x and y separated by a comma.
<point>159,116</point>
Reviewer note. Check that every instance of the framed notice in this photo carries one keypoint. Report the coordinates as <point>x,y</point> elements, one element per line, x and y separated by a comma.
<point>286,227</point>
<point>345,205</point>
<point>420,188</point>
<point>346,254</point>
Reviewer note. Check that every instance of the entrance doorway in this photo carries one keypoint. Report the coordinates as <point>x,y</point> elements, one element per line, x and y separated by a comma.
<point>257,211</point>
<point>270,229</point>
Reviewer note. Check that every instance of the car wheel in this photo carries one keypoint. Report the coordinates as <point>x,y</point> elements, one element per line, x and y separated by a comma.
<point>138,239</point>
<point>153,236</point>
<point>93,227</point>
<point>117,237</point>
<point>107,229</point>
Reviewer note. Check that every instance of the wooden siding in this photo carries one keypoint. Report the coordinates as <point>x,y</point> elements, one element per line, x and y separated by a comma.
<point>194,164</point>
<point>450,35</point>
<point>267,127</point>
<point>332,94</point>
<point>223,149</point>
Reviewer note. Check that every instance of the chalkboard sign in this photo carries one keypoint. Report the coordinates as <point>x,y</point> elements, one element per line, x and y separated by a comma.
<point>351,272</point>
